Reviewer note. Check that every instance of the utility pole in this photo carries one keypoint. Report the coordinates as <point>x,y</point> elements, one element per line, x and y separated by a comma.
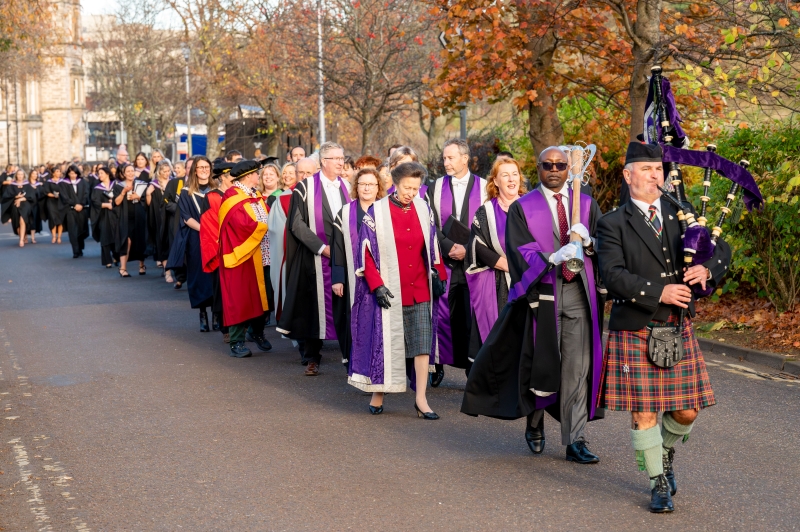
<point>463,120</point>
<point>320,76</point>
<point>188,106</point>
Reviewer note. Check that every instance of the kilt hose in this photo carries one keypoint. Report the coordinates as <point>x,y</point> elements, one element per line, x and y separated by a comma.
<point>631,382</point>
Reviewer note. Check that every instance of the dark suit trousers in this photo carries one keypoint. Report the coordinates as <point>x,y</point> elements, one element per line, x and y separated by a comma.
<point>313,347</point>
<point>460,322</point>
<point>575,326</point>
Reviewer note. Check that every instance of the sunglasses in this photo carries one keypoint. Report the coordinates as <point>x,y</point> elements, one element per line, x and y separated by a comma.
<point>549,166</point>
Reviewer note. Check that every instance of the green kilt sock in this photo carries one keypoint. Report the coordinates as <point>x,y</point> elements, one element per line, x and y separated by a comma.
<point>647,444</point>
<point>672,431</point>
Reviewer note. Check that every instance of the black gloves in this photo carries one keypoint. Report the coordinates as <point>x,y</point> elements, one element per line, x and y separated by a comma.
<point>382,295</point>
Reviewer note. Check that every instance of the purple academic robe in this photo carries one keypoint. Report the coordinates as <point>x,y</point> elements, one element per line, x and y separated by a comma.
<point>521,352</point>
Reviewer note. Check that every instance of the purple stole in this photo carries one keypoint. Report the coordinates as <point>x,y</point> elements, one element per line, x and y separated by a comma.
<point>377,361</point>
<point>482,287</point>
<point>322,263</point>
<point>443,330</point>
<point>536,210</point>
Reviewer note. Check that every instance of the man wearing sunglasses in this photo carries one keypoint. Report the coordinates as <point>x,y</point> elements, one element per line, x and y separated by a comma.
<point>554,365</point>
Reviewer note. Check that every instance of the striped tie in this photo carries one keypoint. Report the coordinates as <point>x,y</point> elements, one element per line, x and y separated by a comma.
<point>654,220</point>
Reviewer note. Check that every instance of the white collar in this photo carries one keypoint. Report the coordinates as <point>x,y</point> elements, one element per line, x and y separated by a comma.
<point>645,207</point>
<point>548,194</point>
<point>464,181</point>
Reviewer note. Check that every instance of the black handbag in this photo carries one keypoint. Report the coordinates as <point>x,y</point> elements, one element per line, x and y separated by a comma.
<point>665,344</point>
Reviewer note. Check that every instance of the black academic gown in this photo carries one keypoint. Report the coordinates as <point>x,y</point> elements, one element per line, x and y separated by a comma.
<point>56,211</point>
<point>157,232</point>
<point>104,223</point>
<point>10,212</point>
<point>501,379</point>
<point>185,251</point>
<point>300,314</point>
<point>131,223</point>
<point>77,223</point>
<point>38,206</point>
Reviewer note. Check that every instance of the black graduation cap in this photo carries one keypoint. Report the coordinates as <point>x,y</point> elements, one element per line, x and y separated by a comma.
<point>222,167</point>
<point>638,152</point>
<point>269,160</point>
<point>244,167</point>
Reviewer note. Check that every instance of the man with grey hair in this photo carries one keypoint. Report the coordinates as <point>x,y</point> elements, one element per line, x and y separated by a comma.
<point>545,350</point>
<point>308,308</point>
<point>454,199</point>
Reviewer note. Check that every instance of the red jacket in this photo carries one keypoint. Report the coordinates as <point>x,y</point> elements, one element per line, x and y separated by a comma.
<point>410,243</point>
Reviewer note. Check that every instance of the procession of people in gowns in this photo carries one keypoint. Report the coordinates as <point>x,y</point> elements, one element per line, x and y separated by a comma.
<point>470,272</point>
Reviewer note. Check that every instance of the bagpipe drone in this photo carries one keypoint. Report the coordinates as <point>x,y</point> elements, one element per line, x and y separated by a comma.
<point>662,126</point>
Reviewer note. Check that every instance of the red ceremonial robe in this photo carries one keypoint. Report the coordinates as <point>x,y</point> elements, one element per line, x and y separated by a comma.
<point>209,232</point>
<point>241,272</point>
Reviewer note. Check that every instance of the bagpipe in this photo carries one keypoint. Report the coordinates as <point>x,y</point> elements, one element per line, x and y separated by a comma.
<point>662,126</point>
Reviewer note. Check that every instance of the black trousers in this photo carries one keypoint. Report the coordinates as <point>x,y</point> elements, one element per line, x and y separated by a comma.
<point>313,350</point>
<point>108,255</point>
<point>460,323</point>
<point>237,332</point>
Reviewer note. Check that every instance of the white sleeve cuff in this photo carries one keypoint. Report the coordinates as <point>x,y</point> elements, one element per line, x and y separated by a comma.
<point>321,250</point>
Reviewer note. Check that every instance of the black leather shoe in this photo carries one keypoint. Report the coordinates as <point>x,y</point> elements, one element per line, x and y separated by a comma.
<point>75,256</point>
<point>669,473</point>
<point>425,415</point>
<point>215,321</point>
<point>262,343</point>
<point>535,439</point>
<point>375,410</point>
<point>437,376</point>
<point>239,350</point>
<point>577,452</point>
<point>203,322</point>
<point>660,499</point>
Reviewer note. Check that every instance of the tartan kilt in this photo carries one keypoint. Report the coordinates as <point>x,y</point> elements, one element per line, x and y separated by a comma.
<point>631,382</point>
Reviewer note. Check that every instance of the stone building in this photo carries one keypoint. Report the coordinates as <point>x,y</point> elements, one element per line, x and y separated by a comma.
<point>42,117</point>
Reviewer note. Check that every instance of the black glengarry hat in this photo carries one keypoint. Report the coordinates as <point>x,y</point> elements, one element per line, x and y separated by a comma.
<point>638,152</point>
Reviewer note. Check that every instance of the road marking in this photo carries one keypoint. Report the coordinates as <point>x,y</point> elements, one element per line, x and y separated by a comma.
<point>35,500</point>
<point>59,477</point>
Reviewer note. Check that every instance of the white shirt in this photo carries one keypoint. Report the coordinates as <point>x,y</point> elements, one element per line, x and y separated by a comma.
<point>645,208</point>
<point>549,195</point>
<point>334,195</point>
<point>459,192</point>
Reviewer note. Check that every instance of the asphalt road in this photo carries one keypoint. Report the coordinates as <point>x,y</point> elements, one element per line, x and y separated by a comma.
<point>117,414</point>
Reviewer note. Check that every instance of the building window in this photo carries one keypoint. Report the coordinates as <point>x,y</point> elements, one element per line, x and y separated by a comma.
<point>34,144</point>
<point>76,91</point>
<point>32,97</point>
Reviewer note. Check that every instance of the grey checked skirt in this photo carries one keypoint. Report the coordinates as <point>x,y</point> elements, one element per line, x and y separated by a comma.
<point>417,329</point>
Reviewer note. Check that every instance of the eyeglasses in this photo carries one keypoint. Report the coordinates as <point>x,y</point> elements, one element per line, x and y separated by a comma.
<point>337,159</point>
<point>367,185</point>
<point>204,167</point>
<point>547,166</point>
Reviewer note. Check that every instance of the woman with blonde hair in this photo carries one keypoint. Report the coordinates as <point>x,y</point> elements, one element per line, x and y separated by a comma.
<point>288,176</point>
<point>268,181</point>
<point>487,271</point>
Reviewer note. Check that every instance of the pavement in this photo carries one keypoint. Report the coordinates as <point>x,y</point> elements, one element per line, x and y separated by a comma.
<point>118,414</point>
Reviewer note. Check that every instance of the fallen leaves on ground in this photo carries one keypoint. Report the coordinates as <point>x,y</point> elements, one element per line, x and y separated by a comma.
<point>764,327</point>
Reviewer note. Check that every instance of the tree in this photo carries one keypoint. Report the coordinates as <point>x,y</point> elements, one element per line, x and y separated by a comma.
<point>599,52</point>
<point>137,73</point>
<point>374,55</point>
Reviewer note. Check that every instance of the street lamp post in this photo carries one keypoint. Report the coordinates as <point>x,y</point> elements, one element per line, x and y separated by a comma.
<point>320,76</point>
<point>188,105</point>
